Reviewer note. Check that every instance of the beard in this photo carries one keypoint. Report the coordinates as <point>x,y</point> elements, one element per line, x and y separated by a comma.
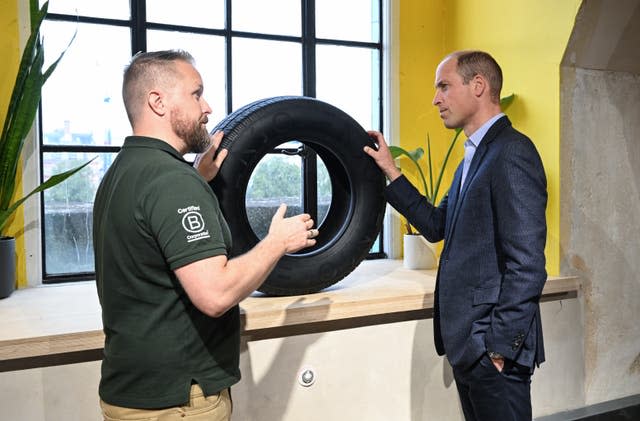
<point>194,133</point>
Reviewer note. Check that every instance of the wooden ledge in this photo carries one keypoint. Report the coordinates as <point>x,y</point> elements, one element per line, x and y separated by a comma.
<point>61,324</point>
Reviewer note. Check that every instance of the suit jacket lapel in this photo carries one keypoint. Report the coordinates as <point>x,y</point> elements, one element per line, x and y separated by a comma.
<point>457,199</point>
<point>452,201</point>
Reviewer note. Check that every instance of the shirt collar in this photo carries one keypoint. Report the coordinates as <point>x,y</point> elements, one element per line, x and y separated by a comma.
<point>151,143</point>
<point>477,136</point>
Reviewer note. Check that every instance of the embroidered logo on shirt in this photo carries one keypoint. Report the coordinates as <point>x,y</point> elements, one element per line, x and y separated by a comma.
<point>193,223</point>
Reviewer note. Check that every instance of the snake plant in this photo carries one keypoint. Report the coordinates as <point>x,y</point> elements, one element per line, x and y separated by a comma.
<point>21,112</point>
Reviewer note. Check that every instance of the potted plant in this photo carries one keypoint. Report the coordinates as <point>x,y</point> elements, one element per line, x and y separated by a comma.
<point>418,252</point>
<point>25,99</point>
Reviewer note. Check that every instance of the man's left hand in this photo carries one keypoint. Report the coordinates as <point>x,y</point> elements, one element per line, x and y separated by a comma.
<point>498,363</point>
<point>207,165</point>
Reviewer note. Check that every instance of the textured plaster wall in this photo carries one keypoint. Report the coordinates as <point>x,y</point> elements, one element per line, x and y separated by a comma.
<point>601,222</point>
<point>377,373</point>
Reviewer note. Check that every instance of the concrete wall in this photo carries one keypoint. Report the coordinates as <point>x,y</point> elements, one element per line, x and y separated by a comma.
<point>600,190</point>
<point>601,221</point>
<point>377,373</point>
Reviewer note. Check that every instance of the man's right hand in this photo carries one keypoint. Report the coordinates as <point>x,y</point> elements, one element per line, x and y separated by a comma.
<point>294,233</point>
<point>215,284</point>
<point>382,156</point>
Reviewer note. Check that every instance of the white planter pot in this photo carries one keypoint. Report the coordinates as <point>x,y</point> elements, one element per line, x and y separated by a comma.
<point>419,253</point>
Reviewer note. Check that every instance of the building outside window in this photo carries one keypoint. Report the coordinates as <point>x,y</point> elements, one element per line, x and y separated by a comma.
<point>245,50</point>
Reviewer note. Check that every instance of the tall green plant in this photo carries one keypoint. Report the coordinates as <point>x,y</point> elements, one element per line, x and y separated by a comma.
<point>431,183</point>
<point>22,110</point>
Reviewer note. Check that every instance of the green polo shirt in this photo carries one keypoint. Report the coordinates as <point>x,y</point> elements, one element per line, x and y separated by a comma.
<point>154,213</point>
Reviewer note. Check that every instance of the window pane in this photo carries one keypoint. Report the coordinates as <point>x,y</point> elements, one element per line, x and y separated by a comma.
<point>264,69</point>
<point>324,192</point>
<point>347,77</point>
<point>209,53</point>
<point>281,17</point>
<point>82,100</point>
<point>353,20</point>
<point>198,13</point>
<point>68,209</point>
<point>278,179</point>
<point>113,9</point>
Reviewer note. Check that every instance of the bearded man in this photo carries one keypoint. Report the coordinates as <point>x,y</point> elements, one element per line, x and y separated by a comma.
<point>168,291</point>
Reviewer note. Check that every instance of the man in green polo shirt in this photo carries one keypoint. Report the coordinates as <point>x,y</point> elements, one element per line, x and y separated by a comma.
<point>168,292</point>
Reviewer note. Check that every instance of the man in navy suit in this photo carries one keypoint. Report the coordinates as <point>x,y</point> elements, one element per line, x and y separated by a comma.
<point>492,267</point>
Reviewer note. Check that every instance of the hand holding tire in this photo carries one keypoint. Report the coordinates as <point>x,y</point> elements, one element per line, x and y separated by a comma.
<point>382,156</point>
<point>208,164</point>
<point>295,233</point>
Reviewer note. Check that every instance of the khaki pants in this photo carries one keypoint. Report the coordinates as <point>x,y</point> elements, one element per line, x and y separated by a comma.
<point>200,408</point>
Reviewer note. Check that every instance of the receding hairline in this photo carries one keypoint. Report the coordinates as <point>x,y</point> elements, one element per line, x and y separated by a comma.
<point>485,65</point>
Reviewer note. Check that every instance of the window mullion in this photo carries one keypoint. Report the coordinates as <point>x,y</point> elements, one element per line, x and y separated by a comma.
<point>228,56</point>
<point>138,26</point>
<point>310,183</point>
<point>308,8</point>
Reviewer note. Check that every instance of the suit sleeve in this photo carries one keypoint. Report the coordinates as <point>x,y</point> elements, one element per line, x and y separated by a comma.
<point>519,199</point>
<point>406,199</point>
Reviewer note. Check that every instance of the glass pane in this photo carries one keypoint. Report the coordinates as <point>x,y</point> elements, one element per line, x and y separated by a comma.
<point>324,192</point>
<point>198,13</point>
<point>209,53</point>
<point>278,179</point>
<point>112,9</point>
<point>353,20</point>
<point>82,100</point>
<point>264,69</point>
<point>353,85</point>
<point>68,209</point>
<point>281,17</point>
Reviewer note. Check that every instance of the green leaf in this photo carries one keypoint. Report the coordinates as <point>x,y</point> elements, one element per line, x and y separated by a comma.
<point>506,101</point>
<point>397,151</point>
<point>52,181</point>
<point>23,107</point>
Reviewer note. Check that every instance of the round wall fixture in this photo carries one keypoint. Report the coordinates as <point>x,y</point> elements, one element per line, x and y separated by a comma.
<point>354,214</point>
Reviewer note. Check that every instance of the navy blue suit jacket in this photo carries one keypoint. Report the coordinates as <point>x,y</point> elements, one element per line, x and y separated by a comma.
<point>492,267</point>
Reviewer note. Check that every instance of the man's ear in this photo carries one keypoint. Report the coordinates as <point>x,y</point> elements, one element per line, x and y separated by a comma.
<point>155,100</point>
<point>480,85</point>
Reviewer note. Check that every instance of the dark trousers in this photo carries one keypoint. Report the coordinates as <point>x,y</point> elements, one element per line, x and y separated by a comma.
<point>489,395</point>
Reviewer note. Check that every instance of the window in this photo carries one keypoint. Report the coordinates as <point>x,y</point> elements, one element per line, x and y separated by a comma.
<point>245,50</point>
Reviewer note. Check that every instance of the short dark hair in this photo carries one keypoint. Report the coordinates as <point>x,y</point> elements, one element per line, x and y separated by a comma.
<point>144,71</point>
<point>472,63</point>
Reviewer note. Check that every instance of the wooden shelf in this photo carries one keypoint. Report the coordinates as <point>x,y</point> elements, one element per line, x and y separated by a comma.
<point>61,324</point>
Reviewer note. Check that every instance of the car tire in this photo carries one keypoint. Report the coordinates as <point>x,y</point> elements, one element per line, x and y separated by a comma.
<point>355,215</point>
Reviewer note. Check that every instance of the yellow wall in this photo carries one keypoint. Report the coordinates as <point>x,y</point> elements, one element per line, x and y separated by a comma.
<point>10,53</point>
<point>527,38</point>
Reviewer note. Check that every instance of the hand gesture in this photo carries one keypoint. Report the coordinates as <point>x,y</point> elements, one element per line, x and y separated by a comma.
<point>293,233</point>
<point>208,164</point>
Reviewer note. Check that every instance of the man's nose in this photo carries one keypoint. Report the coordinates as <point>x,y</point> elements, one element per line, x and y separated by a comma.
<point>436,99</point>
<point>206,109</point>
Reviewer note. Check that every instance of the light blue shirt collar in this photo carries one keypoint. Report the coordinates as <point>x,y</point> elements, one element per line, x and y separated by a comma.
<point>477,136</point>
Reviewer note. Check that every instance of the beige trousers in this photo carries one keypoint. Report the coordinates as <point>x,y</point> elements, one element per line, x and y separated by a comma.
<point>200,408</point>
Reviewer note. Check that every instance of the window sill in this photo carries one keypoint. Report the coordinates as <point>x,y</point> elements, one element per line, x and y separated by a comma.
<point>61,324</point>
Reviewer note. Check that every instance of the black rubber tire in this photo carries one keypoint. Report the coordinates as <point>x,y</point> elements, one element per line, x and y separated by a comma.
<point>357,206</point>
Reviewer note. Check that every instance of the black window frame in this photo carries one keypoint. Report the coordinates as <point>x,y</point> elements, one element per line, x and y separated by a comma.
<point>139,26</point>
